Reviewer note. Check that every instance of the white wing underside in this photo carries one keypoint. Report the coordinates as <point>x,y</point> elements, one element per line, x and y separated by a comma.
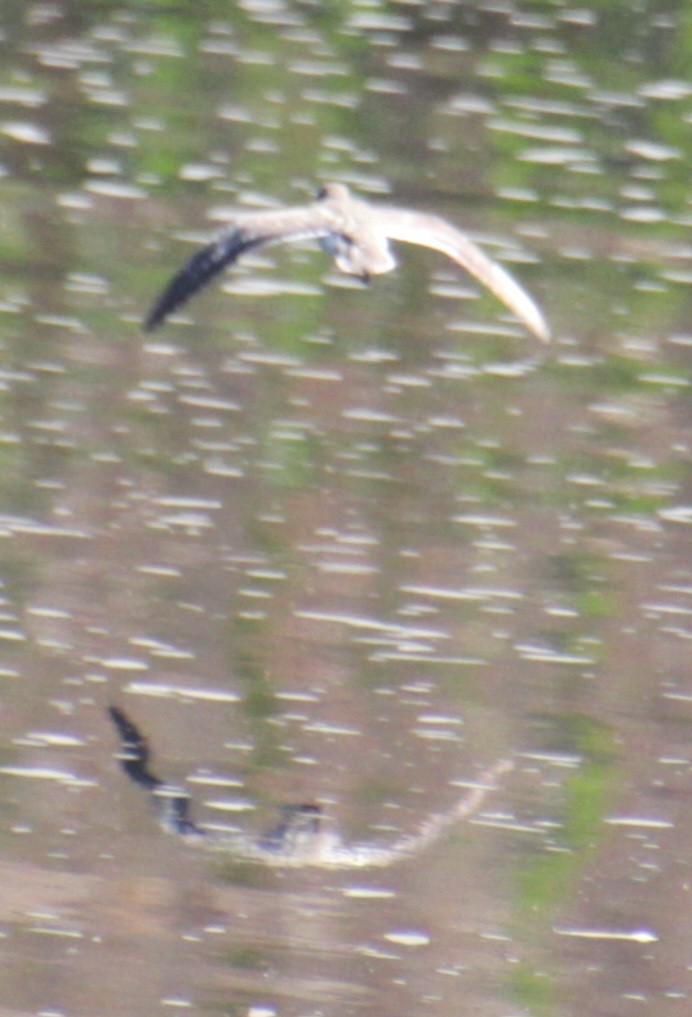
<point>430,231</point>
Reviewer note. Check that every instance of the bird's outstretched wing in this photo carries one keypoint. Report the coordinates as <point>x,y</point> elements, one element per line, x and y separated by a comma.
<point>202,267</point>
<point>431,231</point>
<point>248,231</point>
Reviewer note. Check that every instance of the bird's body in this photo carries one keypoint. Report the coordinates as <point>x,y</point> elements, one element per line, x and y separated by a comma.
<point>357,234</point>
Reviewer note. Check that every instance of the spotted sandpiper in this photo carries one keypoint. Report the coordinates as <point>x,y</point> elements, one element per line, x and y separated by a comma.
<point>356,233</point>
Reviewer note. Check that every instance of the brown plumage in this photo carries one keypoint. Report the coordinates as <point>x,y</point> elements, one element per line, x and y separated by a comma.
<point>356,233</point>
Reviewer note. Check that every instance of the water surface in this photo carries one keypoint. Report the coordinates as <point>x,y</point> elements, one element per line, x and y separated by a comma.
<point>341,544</point>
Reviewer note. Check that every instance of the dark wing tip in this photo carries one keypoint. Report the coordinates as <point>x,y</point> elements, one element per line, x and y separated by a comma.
<point>197,272</point>
<point>125,728</point>
<point>134,749</point>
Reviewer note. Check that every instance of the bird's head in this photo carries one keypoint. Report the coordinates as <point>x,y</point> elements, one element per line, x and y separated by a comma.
<point>333,192</point>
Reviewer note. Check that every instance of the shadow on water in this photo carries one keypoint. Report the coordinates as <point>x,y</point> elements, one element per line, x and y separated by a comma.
<point>338,546</point>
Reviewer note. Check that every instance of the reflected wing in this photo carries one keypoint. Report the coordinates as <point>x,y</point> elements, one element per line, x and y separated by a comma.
<point>134,750</point>
<point>246,233</point>
<point>430,231</point>
<point>172,804</point>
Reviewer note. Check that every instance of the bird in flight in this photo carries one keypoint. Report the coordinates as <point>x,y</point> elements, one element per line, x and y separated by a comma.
<point>356,233</point>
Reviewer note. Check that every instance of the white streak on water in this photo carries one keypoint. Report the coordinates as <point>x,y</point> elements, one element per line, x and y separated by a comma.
<point>164,689</point>
<point>462,593</point>
<point>640,822</point>
<point>408,937</point>
<point>677,514</point>
<point>356,621</point>
<point>53,738</point>
<point>633,936</point>
<point>367,892</point>
<point>48,773</point>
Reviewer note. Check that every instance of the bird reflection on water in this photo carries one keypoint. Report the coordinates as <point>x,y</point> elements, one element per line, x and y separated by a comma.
<point>356,233</point>
<point>302,836</point>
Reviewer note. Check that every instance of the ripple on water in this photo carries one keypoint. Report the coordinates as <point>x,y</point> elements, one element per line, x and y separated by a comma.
<point>408,937</point>
<point>167,690</point>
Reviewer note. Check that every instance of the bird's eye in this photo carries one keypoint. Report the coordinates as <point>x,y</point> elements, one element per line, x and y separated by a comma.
<point>322,193</point>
